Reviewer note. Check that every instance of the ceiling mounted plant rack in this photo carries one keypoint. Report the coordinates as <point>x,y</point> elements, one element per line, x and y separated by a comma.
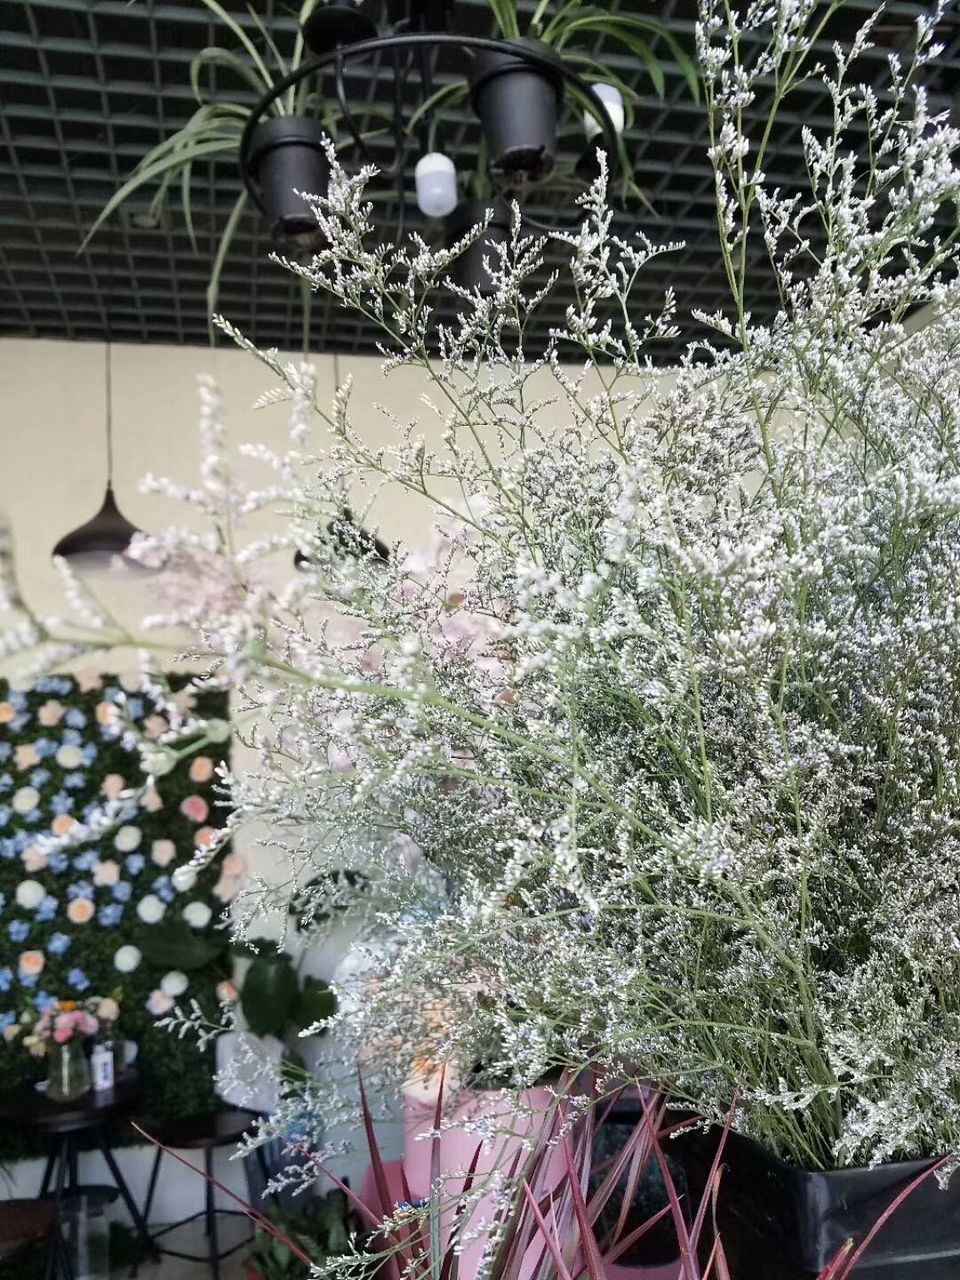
<point>527,84</point>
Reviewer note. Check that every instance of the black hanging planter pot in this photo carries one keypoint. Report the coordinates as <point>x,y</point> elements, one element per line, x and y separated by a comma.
<point>517,102</point>
<point>777,1222</point>
<point>468,270</point>
<point>286,156</point>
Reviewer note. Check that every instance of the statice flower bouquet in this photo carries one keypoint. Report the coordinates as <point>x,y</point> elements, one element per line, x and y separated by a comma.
<point>653,755</point>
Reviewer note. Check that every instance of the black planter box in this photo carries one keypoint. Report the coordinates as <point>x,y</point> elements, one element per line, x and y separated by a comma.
<point>781,1223</point>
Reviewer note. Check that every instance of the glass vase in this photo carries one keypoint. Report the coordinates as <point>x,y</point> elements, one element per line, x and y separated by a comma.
<point>69,1075</point>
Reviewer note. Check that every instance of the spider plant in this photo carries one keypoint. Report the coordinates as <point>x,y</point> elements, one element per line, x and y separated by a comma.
<point>215,128</point>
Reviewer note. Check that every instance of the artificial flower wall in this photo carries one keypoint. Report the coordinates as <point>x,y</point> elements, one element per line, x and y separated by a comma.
<point>108,913</point>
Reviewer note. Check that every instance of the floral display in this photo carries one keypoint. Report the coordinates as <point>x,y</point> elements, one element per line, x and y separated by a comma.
<point>78,895</point>
<point>652,755</point>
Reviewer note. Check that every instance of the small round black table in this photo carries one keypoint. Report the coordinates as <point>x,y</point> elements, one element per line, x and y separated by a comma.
<point>62,1123</point>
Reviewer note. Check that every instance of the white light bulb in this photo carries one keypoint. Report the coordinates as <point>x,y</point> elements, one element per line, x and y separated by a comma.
<point>612,99</point>
<point>436,177</point>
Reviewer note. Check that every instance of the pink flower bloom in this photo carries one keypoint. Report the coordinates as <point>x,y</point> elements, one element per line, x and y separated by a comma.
<point>201,769</point>
<point>155,725</point>
<point>151,800</point>
<point>31,962</point>
<point>26,755</point>
<point>234,864</point>
<point>106,873</point>
<point>80,911</point>
<point>163,852</point>
<point>113,784</point>
<point>158,1003</point>
<point>33,858</point>
<point>51,713</point>
<point>195,808</point>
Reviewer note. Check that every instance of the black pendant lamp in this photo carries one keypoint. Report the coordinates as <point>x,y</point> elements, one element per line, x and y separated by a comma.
<point>101,545</point>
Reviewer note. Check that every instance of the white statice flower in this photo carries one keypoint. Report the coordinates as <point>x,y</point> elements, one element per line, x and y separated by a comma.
<point>650,758</point>
<point>197,914</point>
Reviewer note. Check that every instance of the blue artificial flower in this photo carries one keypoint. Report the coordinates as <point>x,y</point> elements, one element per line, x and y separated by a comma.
<point>17,699</point>
<point>122,890</point>
<point>28,979</point>
<point>43,684</point>
<point>112,694</point>
<point>21,840</point>
<point>86,861</point>
<point>31,818</point>
<point>6,750</point>
<point>129,811</point>
<point>43,1000</point>
<point>62,803</point>
<point>8,849</point>
<point>71,738</point>
<point>163,888</point>
<point>134,862</point>
<point>45,747</point>
<point>6,978</point>
<point>39,776</point>
<point>58,943</point>
<point>64,686</point>
<point>80,889</point>
<point>135,708</point>
<point>109,915</point>
<point>47,908</point>
<point>89,753</point>
<point>75,718</point>
<point>57,861</point>
<point>17,930</point>
<point>6,781</point>
<point>7,1020</point>
<point>74,781</point>
<point>18,722</point>
<point>78,980</point>
<point>6,813</point>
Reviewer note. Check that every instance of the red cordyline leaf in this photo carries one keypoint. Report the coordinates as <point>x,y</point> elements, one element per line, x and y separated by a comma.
<point>246,1208</point>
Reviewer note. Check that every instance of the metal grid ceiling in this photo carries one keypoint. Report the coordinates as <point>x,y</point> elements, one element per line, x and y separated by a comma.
<point>88,86</point>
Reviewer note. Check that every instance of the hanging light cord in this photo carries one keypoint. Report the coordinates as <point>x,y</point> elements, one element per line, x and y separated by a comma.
<point>108,391</point>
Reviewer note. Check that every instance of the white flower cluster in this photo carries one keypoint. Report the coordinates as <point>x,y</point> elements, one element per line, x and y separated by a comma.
<point>655,754</point>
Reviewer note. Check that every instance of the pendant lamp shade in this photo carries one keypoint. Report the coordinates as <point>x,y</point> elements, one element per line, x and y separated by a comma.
<point>94,547</point>
<point>101,544</point>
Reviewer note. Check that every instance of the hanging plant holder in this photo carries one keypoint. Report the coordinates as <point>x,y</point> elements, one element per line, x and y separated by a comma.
<point>517,101</point>
<point>469,271</point>
<point>287,156</point>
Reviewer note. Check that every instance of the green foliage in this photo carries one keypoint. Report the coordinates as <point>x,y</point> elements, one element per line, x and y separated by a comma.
<point>273,999</point>
<point>322,1231</point>
<point>177,1079</point>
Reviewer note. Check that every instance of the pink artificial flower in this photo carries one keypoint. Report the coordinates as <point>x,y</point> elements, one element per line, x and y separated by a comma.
<point>33,858</point>
<point>113,784</point>
<point>195,808</point>
<point>51,713</point>
<point>106,873</point>
<point>158,1003</point>
<point>62,824</point>
<point>163,852</point>
<point>234,864</point>
<point>31,963</point>
<point>154,726</point>
<point>204,836</point>
<point>89,679</point>
<point>80,911</point>
<point>106,713</point>
<point>151,800</point>
<point>201,770</point>
<point>26,756</point>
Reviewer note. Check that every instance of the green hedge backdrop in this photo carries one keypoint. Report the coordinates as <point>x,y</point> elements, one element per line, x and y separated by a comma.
<point>61,751</point>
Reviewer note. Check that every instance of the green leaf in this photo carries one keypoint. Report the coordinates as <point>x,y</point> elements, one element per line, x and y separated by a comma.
<point>223,248</point>
<point>317,1002</point>
<point>270,994</point>
<point>142,177</point>
<point>174,945</point>
<point>213,56</point>
<point>505,16</point>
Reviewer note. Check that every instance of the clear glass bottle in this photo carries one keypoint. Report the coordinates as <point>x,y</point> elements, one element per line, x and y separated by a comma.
<point>68,1077</point>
